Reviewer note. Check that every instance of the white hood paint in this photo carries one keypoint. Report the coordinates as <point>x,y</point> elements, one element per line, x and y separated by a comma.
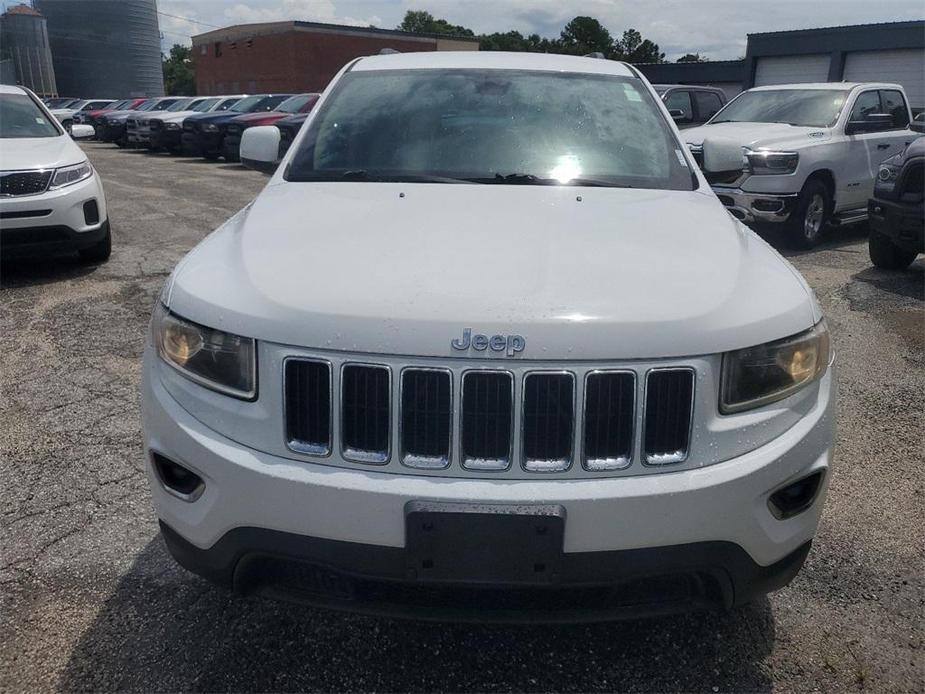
<point>39,152</point>
<point>756,135</point>
<point>621,274</point>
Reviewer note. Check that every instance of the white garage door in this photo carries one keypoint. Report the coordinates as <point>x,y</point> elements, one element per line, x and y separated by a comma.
<point>905,67</point>
<point>791,69</point>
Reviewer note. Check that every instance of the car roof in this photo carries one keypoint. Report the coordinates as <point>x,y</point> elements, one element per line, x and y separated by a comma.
<point>492,60</point>
<point>826,85</point>
<point>687,86</point>
<point>11,89</point>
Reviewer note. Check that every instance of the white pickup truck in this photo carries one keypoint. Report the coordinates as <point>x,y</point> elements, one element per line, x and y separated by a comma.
<point>802,154</point>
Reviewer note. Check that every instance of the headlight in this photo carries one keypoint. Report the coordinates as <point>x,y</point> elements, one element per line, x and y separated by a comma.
<point>770,162</point>
<point>887,173</point>
<point>210,128</point>
<point>756,376</point>
<point>215,359</point>
<point>68,175</point>
<point>171,126</point>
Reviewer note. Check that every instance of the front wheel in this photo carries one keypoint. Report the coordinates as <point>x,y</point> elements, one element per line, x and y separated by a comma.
<point>808,220</point>
<point>887,255</point>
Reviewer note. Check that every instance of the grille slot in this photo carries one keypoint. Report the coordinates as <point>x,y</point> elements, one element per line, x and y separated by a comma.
<point>308,406</point>
<point>487,414</point>
<point>669,406</point>
<point>365,404</point>
<point>14,183</point>
<point>548,421</point>
<point>610,411</point>
<point>426,418</point>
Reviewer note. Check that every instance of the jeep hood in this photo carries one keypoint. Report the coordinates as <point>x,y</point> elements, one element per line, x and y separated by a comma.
<point>39,152</point>
<point>581,273</point>
<point>755,135</point>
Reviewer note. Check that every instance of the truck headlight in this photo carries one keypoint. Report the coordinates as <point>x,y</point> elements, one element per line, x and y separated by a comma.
<point>68,175</point>
<point>764,161</point>
<point>887,173</point>
<point>171,126</point>
<point>756,376</point>
<point>214,359</point>
<point>210,128</point>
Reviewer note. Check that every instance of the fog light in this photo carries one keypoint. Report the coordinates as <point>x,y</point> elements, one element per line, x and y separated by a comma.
<point>795,497</point>
<point>91,212</point>
<point>176,479</point>
<point>768,205</point>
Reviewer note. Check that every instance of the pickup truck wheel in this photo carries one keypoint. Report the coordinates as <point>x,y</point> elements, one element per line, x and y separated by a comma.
<point>98,252</point>
<point>807,221</point>
<point>887,255</point>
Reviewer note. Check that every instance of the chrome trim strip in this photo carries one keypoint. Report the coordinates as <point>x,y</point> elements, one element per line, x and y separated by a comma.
<point>602,464</point>
<point>422,461</point>
<point>354,454</point>
<point>306,447</point>
<point>677,456</point>
<point>537,464</point>
<point>484,464</point>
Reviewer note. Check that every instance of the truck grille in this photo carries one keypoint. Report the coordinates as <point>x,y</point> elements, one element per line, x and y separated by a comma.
<point>669,404</point>
<point>543,420</point>
<point>15,183</point>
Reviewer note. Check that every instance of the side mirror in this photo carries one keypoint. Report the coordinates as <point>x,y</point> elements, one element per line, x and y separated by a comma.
<point>260,148</point>
<point>676,114</point>
<point>874,122</point>
<point>917,126</point>
<point>82,131</point>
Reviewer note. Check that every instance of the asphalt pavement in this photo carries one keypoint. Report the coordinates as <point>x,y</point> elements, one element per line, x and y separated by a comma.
<point>90,599</point>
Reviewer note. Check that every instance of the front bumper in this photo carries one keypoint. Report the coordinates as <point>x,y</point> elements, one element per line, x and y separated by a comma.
<point>903,223</point>
<point>231,147</point>
<point>163,138</point>
<point>712,522</point>
<point>756,207</point>
<point>63,219</point>
<point>110,132</point>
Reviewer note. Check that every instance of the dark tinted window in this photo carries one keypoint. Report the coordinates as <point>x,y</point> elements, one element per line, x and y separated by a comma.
<point>894,104</point>
<point>867,103</point>
<point>708,103</point>
<point>680,101</point>
<point>491,126</point>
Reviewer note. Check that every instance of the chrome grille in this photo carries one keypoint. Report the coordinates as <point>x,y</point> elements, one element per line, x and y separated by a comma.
<point>669,406</point>
<point>365,413</point>
<point>548,418</point>
<point>308,406</point>
<point>426,417</point>
<point>487,420</point>
<point>15,183</point>
<point>610,407</point>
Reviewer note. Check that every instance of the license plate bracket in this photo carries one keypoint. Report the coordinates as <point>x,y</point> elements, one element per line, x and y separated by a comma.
<point>484,543</point>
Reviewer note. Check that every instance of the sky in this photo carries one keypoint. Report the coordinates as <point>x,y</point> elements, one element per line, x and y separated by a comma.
<point>714,28</point>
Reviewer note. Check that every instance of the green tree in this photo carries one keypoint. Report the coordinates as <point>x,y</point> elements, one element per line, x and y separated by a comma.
<point>421,22</point>
<point>178,72</point>
<point>585,35</point>
<point>515,41</point>
<point>691,58</point>
<point>634,49</point>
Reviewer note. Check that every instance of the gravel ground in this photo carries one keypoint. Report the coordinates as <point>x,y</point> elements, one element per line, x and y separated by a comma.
<point>90,599</point>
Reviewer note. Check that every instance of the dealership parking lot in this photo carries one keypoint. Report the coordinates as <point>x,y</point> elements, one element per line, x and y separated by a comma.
<point>92,601</point>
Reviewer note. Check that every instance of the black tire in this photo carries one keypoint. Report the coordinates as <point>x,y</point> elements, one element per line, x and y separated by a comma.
<point>887,255</point>
<point>807,223</point>
<point>98,252</point>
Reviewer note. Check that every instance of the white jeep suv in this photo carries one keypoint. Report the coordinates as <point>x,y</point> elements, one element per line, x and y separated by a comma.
<point>488,345</point>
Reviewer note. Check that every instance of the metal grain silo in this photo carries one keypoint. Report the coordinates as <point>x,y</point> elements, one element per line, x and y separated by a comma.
<point>105,48</point>
<point>24,43</point>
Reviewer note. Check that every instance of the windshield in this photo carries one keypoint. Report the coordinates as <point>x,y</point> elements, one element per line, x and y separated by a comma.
<point>163,105</point>
<point>492,126</point>
<point>181,105</point>
<point>147,105</point>
<point>226,104</point>
<point>294,104</point>
<point>21,117</point>
<point>76,105</point>
<point>245,104</point>
<point>817,108</point>
<point>119,105</point>
<point>204,105</point>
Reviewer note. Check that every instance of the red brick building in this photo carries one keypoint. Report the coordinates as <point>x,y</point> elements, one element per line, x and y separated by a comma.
<point>296,56</point>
